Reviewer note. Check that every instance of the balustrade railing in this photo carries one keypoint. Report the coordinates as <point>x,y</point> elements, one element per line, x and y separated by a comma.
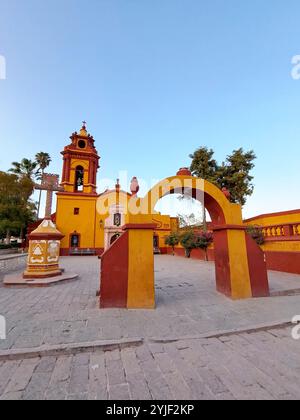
<point>285,231</point>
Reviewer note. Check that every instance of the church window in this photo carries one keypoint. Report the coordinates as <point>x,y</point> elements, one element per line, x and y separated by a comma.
<point>76,211</point>
<point>117,219</point>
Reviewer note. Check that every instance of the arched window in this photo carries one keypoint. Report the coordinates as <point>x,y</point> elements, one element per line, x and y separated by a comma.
<point>114,238</point>
<point>79,174</point>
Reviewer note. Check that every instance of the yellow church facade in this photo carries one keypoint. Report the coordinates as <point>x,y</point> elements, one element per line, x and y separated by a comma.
<point>91,222</point>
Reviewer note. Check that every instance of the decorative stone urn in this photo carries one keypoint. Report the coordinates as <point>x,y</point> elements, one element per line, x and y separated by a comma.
<point>43,255</point>
<point>226,192</point>
<point>184,172</point>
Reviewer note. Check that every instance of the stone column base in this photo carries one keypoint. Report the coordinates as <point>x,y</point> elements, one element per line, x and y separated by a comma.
<point>41,274</point>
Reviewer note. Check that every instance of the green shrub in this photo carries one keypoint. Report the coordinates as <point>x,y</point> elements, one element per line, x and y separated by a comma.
<point>256,233</point>
<point>10,246</point>
<point>189,242</point>
<point>172,240</point>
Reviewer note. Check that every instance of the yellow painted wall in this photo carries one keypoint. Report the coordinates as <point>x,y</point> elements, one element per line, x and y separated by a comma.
<point>91,220</point>
<point>164,227</point>
<point>274,219</point>
<point>84,223</point>
<point>141,291</point>
<point>278,219</point>
<point>174,224</point>
<point>283,246</point>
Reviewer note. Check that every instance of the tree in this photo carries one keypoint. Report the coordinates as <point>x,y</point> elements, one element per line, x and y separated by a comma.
<point>26,168</point>
<point>188,220</point>
<point>172,240</point>
<point>16,210</point>
<point>203,241</point>
<point>204,166</point>
<point>188,241</point>
<point>234,175</point>
<point>43,160</point>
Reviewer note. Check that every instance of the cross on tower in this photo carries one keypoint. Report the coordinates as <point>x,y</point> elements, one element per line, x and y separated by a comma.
<point>50,183</point>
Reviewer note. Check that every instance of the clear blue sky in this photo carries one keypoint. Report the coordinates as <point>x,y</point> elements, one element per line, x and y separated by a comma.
<point>155,79</point>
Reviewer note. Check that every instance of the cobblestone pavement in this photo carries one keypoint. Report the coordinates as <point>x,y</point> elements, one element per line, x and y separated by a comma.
<point>187,306</point>
<point>261,365</point>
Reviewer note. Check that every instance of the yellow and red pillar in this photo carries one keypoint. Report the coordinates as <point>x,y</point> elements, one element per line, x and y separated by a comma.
<point>127,270</point>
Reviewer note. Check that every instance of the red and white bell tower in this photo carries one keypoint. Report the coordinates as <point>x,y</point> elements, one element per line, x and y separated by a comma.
<point>81,163</point>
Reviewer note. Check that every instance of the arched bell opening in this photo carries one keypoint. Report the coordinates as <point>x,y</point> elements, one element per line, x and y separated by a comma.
<point>79,178</point>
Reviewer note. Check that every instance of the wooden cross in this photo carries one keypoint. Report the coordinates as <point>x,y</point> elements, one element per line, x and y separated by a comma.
<point>50,183</point>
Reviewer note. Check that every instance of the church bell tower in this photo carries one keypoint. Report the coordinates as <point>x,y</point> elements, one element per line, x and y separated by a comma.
<point>81,163</point>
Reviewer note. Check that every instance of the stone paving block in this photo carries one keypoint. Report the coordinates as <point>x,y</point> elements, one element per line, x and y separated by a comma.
<point>195,355</point>
<point>287,362</point>
<point>177,385</point>
<point>7,370</point>
<point>82,359</point>
<point>28,341</point>
<point>155,380</point>
<point>239,392</point>
<point>225,396</point>
<point>62,370</point>
<point>115,372</point>
<point>258,393</point>
<point>22,376</point>
<point>37,386</point>
<point>119,392</point>
<point>57,393</point>
<point>97,378</point>
<point>234,363</point>
<point>274,370</point>
<point>79,380</point>
<point>112,355</point>
<point>130,361</point>
<point>47,364</point>
<point>265,380</point>
<point>165,363</point>
<point>212,381</point>
<point>11,396</point>
<point>156,348</point>
<point>78,397</point>
<point>138,387</point>
<point>143,353</point>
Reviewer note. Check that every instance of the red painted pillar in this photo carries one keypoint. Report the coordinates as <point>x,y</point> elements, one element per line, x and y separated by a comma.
<point>222,263</point>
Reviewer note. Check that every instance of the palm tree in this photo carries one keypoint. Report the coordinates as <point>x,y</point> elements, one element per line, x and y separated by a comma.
<point>24,169</point>
<point>43,160</point>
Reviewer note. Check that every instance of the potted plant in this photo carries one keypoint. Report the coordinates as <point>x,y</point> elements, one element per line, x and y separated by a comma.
<point>203,241</point>
<point>188,241</point>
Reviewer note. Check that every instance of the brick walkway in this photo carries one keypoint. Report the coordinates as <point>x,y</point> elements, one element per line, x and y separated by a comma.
<point>261,365</point>
<point>173,362</point>
<point>187,306</point>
